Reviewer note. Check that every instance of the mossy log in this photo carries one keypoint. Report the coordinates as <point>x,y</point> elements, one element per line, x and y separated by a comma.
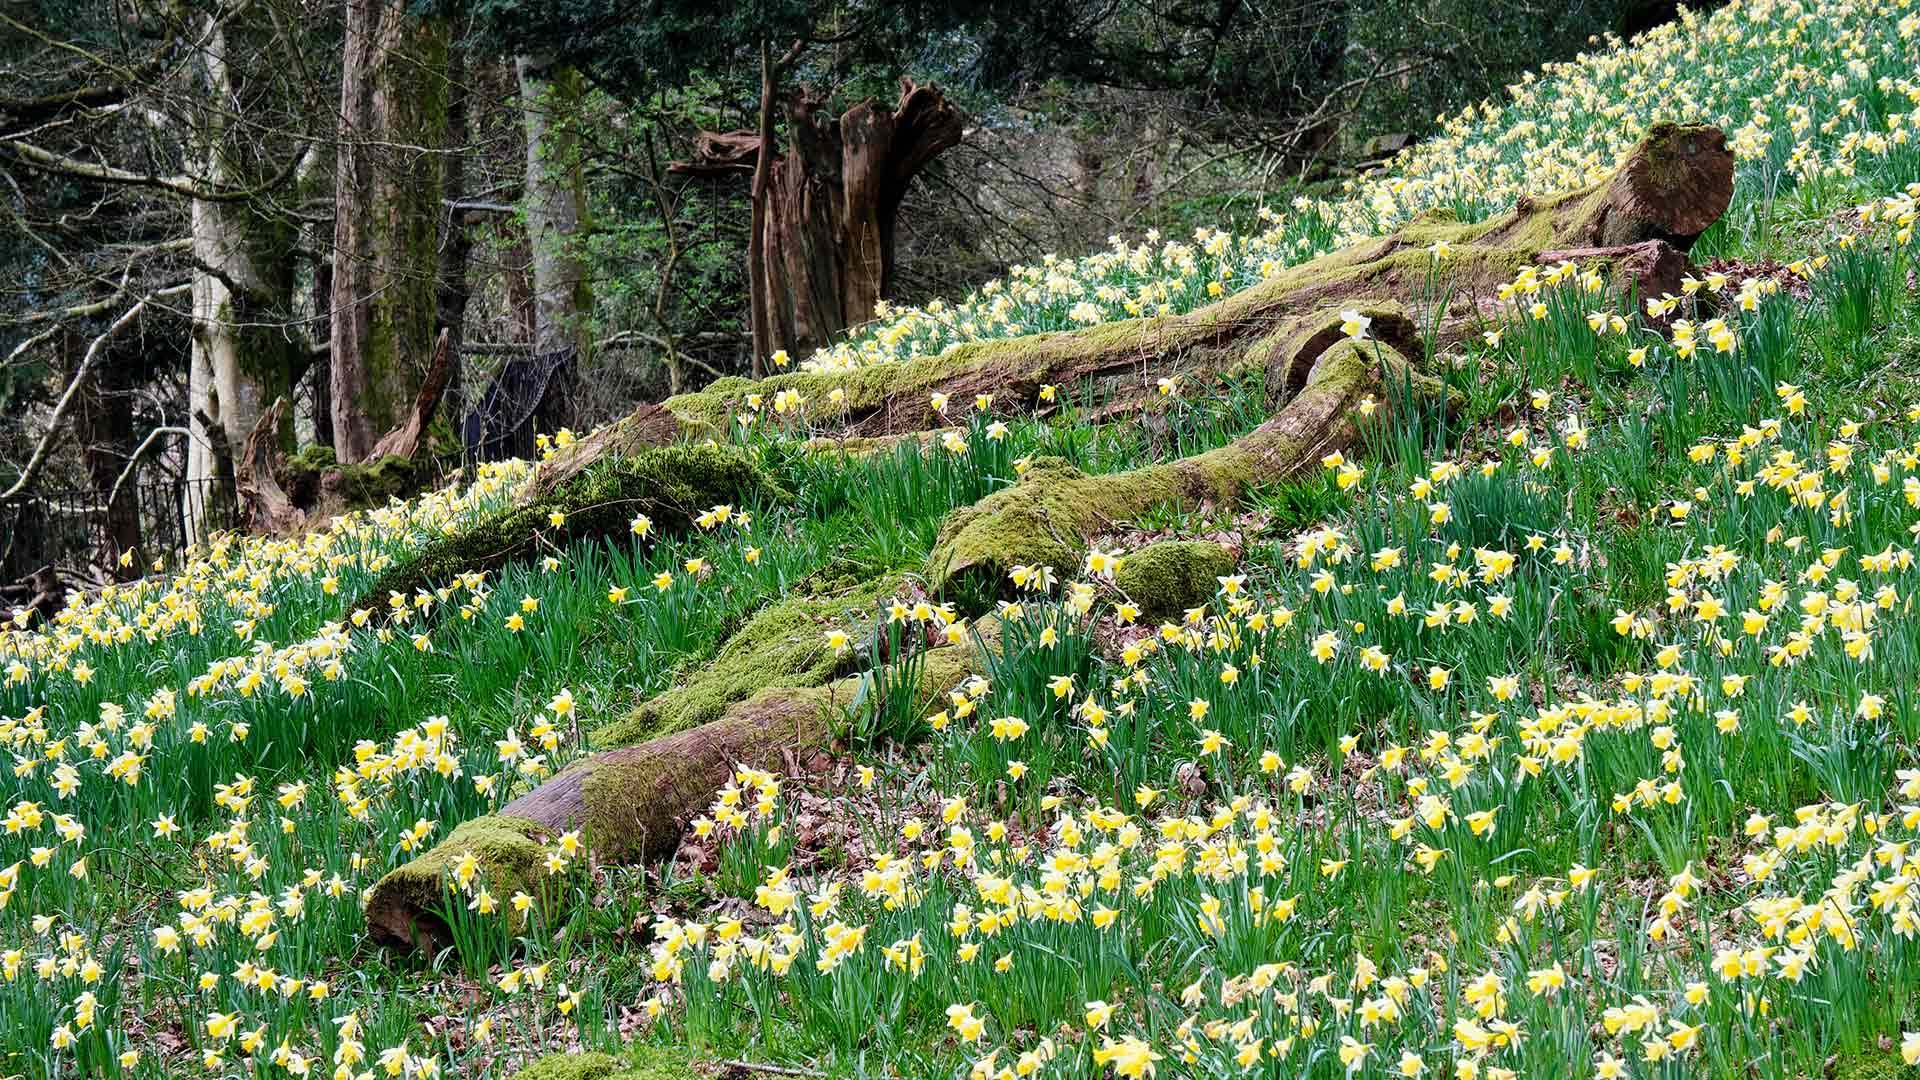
<point>1676,182</point>
<point>782,645</point>
<point>670,485</point>
<point>1167,578</point>
<point>1048,517</point>
<point>632,803</point>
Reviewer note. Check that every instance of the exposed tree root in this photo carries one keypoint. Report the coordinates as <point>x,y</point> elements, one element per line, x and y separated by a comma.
<point>1047,518</point>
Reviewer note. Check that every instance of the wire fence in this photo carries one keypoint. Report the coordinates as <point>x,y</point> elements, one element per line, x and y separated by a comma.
<point>74,531</point>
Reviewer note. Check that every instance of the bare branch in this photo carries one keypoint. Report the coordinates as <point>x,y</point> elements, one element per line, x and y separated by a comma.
<point>40,452</point>
<point>113,494</point>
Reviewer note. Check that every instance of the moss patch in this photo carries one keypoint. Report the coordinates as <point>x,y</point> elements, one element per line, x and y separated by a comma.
<point>1044,520</point>
<point>784,645</point>
<point>634,1063</point>
<point>314,476</point>
<point>1167,578</point>
<point>512,857</point>
<point>671,485</point>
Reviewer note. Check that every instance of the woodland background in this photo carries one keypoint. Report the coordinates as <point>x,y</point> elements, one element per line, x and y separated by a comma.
<point>211,206</point>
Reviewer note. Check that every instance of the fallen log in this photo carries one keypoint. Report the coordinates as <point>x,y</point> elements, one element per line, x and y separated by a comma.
<point>631,803</point>
<point>1669,188</point>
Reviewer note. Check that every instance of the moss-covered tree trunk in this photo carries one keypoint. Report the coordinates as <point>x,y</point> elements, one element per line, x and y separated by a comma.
<point>1640,220</point>
<point>388,194</point>
<point>550,100</point>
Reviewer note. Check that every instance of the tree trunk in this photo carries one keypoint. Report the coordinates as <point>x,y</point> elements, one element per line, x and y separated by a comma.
<point>823,237</point>
<point>104,429</point>
<point>268,509</point>
<point>456,250</point>
<point>555,203</point>
<point>1048,518</point>
<point>759,297</point>
<point>242,301</point>
<point>387,214</point>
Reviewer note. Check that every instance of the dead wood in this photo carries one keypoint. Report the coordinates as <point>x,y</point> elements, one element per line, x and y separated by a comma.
<point>407,437</point>
<point>268,509</point>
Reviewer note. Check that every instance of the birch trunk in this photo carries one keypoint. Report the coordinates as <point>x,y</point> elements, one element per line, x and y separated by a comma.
<point>242,302</point>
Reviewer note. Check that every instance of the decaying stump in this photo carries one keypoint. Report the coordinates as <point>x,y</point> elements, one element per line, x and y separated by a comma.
<point>280,495</point>
<point>831,204</point>
<point>407,437</point>
<point>268,510</point>
<point>1637,224</point>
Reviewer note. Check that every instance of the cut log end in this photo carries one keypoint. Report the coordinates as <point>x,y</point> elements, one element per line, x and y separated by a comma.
<point>1674,185</point>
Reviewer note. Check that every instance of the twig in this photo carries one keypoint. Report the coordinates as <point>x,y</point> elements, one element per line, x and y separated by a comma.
<point>777,1070</point>
<point>113,495</point>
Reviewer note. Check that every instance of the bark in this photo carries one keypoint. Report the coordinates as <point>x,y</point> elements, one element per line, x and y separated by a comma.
<point>456,249</point>
<point>555,203</point>
<point>826,212</point>
<point>268,509</point>
<point>388,194</point>
<point>105,432</point>
<point>243,352</point>
<point>409,437</point>
<point>759,297</point>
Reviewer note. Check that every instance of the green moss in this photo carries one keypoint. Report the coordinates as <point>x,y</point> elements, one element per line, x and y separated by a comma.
<point>783,645</point>
<point>1044,521</point>
<point>634,1063</point>
<point>1869,1064</point>
<point>314,477</point>
<point>671,485</point>
<point>571,1067</point>
<point>1286,356</point>
<point>1167,578</point>
<point>512,858</point>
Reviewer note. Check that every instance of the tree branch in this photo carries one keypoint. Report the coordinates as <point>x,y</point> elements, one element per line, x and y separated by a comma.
<point>45,447</point>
